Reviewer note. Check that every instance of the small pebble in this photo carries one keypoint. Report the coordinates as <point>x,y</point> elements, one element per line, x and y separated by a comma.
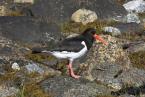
<point>15,66</point>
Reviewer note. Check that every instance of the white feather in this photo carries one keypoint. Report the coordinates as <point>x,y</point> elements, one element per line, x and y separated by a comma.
<point>69,55</point>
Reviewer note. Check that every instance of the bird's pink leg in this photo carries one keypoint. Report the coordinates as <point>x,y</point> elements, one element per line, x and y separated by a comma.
<point>72,72</point>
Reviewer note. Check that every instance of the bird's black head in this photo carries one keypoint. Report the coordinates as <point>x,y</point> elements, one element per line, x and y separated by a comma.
<point>89,32</point>
<point>90,35</point>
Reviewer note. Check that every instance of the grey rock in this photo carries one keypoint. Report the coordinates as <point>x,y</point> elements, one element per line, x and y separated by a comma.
<point>59,10</point>
<point>68,87</point>
<point>129,28</point>
<point>7,91</point>
<point>41,69</point>
<point>135,89</point>
<point>6,50</point>
<point>132,77</point>
<point>29,30</point>
<point>135,5</point>
<point>84,16</point>
<point>32,67</point>
<point>102,55</point>
<point>111,66</point>
<point>133,47</point>
<point>132,17</point>
<point>2,71</point>
<point>106,63</point>
<point>24,1</point>
<point>112,30</point>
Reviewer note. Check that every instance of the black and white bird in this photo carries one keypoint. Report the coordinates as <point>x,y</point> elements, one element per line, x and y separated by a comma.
<point>74,47</point>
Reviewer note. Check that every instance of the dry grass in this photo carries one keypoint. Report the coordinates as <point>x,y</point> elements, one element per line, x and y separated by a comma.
<point>14,13</point>
<point>105,96</point>
<point>72,27</point>
<point>121,2</point>
<point>32,90</point>
<point>39,57</point>
<point>138,59</point>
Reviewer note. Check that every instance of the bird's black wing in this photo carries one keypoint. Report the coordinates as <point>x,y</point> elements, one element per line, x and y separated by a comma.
<point>72,44</point>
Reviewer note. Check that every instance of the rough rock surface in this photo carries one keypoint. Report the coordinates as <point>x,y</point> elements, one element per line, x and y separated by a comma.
<point>133,47</point>
<point>104,61</point>
<point>7,91</point>
<point>29,30</point>
<point>68,87</point>
<point>132,18</point>
<point>130,28</point>
<point>135,5</point>
<point>112,30</point>
<point>2,10</point>
<point>84,16</point>
<point>24,1</point>
<point>104,9</point>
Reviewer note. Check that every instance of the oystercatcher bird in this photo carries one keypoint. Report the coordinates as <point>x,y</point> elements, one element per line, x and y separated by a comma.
<point>74,47</point>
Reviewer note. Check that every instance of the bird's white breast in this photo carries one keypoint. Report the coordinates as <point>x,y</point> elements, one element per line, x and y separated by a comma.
<point>72,55</point>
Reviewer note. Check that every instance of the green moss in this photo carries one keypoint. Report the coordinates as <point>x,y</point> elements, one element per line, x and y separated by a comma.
<point>43,58</point>
<point>138,59</point>
<point>32,90</point>
<point>40,57</point>
<point>14,13</point>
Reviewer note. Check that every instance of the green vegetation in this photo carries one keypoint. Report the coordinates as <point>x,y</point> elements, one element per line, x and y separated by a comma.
<point>41,58</point>
<point>72,27</point>
<point>31,90</point>
<point>14,13</point>
<point>26,88</point>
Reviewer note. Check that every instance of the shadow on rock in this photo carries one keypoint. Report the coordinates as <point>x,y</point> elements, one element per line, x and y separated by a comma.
<point>130,90</point>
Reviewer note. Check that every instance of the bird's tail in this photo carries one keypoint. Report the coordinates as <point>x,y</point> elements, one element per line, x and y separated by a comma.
<point>36,50</point>
<point>39,50</point>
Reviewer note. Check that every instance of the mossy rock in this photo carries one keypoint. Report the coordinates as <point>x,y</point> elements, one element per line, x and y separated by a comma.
<point>40,57</point>
<point>31,90</point>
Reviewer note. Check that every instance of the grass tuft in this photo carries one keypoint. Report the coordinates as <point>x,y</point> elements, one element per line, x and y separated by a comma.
<point>71,27</point>
<point>138,59</point>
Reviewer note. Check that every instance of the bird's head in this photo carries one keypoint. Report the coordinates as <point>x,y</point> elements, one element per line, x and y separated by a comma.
<point>90,32</point>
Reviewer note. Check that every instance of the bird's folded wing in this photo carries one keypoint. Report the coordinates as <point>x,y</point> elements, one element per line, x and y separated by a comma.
<point>70,45</point>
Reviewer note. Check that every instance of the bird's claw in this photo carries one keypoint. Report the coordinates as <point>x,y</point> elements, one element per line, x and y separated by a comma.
<point>75,76</point>
<point>71,72</point>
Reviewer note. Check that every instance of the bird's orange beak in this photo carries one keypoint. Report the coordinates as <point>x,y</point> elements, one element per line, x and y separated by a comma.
<point>97,37</point>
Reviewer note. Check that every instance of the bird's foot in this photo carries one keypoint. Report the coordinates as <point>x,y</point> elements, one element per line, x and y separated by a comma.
<point>71,72</point>
<point>75,76</point>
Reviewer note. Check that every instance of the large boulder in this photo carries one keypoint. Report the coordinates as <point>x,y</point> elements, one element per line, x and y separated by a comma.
<point>135,5</point>
<point>130,28</point>
<point>109,65</point>
<point>69,87</point>
<point>29,30</point>
<point>60,10</point>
